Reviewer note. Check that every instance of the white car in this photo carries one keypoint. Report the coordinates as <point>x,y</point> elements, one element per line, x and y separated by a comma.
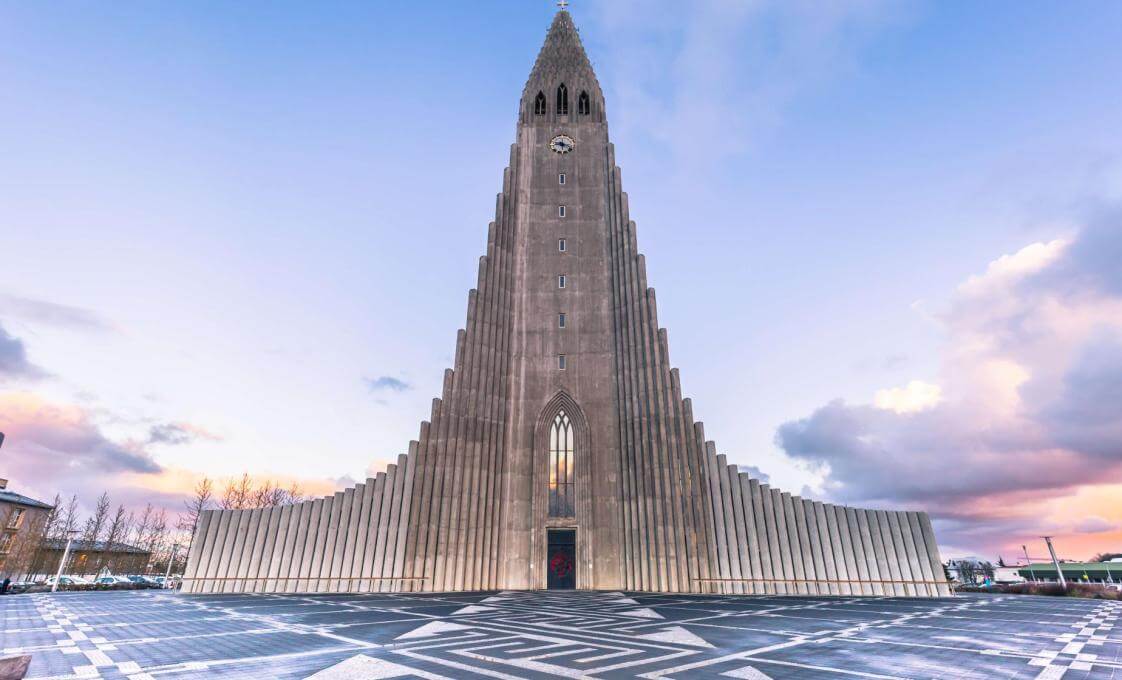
<point>70,581</point>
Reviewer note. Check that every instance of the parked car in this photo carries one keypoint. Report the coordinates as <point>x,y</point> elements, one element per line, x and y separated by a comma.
<point>114,583</point>
<point>17,587</point>
<point>70,583</point>
<point>144,581</point>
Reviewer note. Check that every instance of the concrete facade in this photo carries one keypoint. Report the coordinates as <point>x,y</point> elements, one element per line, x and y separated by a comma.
<point>654,506</point>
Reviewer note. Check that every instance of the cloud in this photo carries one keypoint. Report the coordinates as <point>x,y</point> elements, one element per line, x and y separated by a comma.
<point>51,313</point>
<point>13,359</point>
<point>755,473</point>
<point>1025,408</point>
<point>914,397</point>
<point>386,383</point>
<point>710,78</point>
<point>177,434</point>
<point>46,439</point>
<point>1096,525</point>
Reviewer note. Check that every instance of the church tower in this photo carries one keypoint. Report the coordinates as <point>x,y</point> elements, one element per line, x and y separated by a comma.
<point>561,452</point>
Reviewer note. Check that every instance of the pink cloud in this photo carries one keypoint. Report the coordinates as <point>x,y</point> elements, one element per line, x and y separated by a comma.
<point>1029,388</point>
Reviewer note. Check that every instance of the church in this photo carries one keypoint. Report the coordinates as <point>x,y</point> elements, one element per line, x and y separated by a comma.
<point>561,452</point>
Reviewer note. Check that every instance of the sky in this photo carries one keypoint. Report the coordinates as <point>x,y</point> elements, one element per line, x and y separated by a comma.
<point>886,236</point>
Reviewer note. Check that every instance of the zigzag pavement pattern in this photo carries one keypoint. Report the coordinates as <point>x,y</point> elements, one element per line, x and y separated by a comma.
<point>520,634</point>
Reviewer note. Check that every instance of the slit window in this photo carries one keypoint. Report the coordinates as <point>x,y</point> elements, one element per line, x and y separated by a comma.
<point>584,104</point>
<point>561,281</point>
<point>561,320</point>
<point>562,100</point>
<point>560,211</point>
<point>561,245</point>
<point>561,363</point>
<point>561,178</point>
<point>539,104</point>
<point>562,492</point>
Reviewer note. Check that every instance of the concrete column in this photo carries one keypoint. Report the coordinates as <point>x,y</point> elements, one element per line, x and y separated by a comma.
<point>760,520</point>
<point>741,544</point>
<point>857,549</point>
<point>817,563</point>
<point>796,524</point>
<point>350,569</point>
<point>281,552</point>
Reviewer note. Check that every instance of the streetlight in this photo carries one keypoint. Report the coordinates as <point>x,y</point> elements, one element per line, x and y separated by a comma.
<point>65,553</point>
<point>1055,562</point>
<point>167,574</point>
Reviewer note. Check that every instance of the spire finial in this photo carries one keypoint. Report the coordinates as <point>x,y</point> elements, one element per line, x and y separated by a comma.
<point>563,4</point>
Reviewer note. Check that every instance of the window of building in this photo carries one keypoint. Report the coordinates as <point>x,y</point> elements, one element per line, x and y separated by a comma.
<point>539,104</point>
<point>561,245</point>
<point>561,281</point>
<point>562,100</point>
<point>561,320</point>
<point>15,518</point>
<point>560,211</point>
<point>562,497</point>
<point>6,542</point>
<point>561,178</point>
<point>561,363</point>
<point>584,104</point>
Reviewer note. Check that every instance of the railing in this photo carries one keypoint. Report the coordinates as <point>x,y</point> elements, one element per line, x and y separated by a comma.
<point>817,582</point>
<point>307,581</point>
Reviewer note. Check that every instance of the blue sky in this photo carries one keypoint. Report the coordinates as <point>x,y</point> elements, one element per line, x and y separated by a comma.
<point>238,219</point>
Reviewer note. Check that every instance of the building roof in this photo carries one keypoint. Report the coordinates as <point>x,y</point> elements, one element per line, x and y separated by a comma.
<point>92,546</point>
<point>19,499</point>
<point>1072,566</point>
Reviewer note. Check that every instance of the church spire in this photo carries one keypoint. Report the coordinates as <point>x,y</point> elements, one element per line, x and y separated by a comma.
<point>562,61</point>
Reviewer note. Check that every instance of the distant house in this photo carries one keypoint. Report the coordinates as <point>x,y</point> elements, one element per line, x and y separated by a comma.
<point>90,557</point>
<point>22,520</point>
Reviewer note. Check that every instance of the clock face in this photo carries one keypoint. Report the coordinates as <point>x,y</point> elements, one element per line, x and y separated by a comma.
<point>562,144</point>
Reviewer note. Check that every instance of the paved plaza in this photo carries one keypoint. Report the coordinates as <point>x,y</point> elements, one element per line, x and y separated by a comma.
<point>152,634</point>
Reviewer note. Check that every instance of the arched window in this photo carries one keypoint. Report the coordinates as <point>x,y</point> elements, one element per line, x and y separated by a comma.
<point>539,104</point>
<point>584,104</point>
<point>561,495</point>
<point>562,100</point>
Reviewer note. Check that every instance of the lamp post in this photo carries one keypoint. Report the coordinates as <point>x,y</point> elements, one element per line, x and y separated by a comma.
<point>65,554</point>
<point>171,560</point>
<point>1055,562</point>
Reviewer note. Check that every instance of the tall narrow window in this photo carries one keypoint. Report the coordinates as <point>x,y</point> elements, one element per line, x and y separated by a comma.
<point>562,498</point>
<point>562,100</point>
<point>560,211</point>
<point>561,178</point>
<point>561,281</point>
<point>561,362</point>
<point>561,320</point>
<point>539,104</point>
<point>584,104</point>
<point>561,245</point>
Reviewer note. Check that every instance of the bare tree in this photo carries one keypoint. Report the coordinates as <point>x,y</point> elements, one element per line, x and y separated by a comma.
<point>196,506</point>
<point>238,494</point>
<point>141,526</point>
<point>95,524</point>
<point>156,541</point>
<point>271,495</point>
<point>70,518</point>
<point>53,519</point>
<point>117,530</point>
